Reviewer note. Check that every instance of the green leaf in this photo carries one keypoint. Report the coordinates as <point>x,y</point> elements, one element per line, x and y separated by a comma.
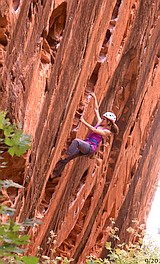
<point>25,142</point>
<point>141,241</point>
<point>31,222</point>
<point>9,142</point>
<point>19,260</point>
<point>6,250</point>
<point>118,251</point>
<point>17,136</point>
<point>30,260</point>
<point>16,228</point>
<point>2,117</point>
<point>11,151</point>
<point>18,151</point>
<point>6,123</point>
<point>24,238</point>
<point>108,245</point>
<point>5,210</point>
<point>17,142</point>
<point>8,130</point>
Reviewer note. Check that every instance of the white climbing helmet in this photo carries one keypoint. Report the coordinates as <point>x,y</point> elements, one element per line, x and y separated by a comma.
<point>110,116</point>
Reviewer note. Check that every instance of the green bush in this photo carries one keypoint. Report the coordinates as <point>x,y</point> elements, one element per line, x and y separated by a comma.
<point>13,139</point>
<point>12,235</point>
<point>138,252</point>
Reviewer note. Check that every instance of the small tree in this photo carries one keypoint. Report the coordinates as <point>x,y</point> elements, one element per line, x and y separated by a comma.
<point>132,253</point>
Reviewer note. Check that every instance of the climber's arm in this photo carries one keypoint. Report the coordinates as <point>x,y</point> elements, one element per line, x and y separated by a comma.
<point>103,133</point>
<point>96,108</point>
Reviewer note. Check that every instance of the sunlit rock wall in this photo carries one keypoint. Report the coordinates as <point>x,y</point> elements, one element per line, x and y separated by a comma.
<point>53,54</point>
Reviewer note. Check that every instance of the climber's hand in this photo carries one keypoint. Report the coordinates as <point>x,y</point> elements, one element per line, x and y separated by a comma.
<point>82,119</point>
<point>93,95</point>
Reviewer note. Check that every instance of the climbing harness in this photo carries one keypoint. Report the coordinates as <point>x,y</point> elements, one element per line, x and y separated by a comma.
<point>94,141</point>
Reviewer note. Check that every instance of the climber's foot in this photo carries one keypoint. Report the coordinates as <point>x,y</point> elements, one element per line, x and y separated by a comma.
<point>58,169</point>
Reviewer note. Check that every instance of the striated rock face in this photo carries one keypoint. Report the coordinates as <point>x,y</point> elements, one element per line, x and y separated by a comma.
<point>53,54</point>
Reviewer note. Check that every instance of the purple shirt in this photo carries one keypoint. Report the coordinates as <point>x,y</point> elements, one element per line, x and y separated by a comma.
<point>94,139</point>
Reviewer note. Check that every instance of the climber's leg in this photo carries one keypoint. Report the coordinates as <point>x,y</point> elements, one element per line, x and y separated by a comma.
<point>58,168</point>
<point>77,148</point>
<point>78,145</point>
<point>84,147</point>
<point>73,148</point>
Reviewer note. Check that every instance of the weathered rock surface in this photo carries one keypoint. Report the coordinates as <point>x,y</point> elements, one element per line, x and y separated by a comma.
<point>53,54</point>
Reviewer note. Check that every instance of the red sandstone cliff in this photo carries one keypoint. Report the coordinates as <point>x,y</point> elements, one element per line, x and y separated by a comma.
<point>52,55</point>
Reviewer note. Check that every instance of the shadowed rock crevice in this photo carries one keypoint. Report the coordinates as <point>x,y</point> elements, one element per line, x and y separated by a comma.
<point>4,34</point>
<point>107,39</point>
<point>15,4</point>
<point>53,34</point>
<point>124,99</point>
<point>68,245</point>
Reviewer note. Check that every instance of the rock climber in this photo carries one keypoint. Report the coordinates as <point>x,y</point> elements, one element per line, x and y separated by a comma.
<point>105,127</point>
